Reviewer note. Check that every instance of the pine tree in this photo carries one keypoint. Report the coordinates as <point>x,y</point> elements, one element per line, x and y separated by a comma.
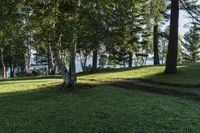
<point>171,63</point>
<point>157,8</point>
<point>191,45</point>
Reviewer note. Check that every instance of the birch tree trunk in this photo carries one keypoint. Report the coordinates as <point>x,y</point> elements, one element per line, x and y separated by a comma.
<point>72,67</point>
<point>61,64</point>
<point>51,62</point>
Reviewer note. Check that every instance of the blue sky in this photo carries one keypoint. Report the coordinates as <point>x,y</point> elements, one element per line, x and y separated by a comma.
<point>184,20</point>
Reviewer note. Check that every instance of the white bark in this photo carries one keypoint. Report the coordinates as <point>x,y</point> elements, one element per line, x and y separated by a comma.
<point>60,63</point>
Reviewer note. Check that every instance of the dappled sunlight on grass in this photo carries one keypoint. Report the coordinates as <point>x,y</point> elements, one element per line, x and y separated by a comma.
<point>126,74</point>
<point>37,105</point>
<point>187,74</point>
<point>26,85</point>
<point>101,109</point>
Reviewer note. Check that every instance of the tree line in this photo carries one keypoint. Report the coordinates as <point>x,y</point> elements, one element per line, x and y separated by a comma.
<point>60,31</point>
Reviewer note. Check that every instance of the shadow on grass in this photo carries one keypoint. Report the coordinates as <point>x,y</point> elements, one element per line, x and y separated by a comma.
<point>186,76</point>
<point>49,109</point>
<point>55,91</point>
<point>190,94</point>
<point>192,74</point>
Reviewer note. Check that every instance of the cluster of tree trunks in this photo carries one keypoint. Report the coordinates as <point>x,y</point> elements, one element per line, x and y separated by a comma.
<point>69,76</point>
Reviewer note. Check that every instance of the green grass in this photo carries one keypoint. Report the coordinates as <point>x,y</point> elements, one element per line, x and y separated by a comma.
<point>187,75</point>
<point>37,105</point>
<point>99,109</point>
<point>12,86</point>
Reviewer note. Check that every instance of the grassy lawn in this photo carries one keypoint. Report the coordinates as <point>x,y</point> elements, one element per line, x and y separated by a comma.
<point>187,75</point>
<point>99,109</point>
<point>37,105</point>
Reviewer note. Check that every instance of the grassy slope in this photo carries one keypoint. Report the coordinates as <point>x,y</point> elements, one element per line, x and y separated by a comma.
<point>187,74</point>
<point>37,106</point>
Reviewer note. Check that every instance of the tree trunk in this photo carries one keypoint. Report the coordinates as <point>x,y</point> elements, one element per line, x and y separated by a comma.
<point>49,64</point>
<point>130,59</point>
<point>28,45</point>
<point>28,56</point>
<point>171,63</point>
<point>94,59</point>
<point>3,65</point>
<point>12,71</point>
<point>155,46</point>
<point>61,66</point>
<point>52,65</point>
<point>72,67</point>
<point>83,59</point>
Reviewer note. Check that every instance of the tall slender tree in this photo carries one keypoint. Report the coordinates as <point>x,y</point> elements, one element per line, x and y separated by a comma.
<point>157,9</point>
<point>171,63</point>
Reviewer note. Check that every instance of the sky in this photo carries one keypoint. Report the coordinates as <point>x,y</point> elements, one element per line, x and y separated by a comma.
<point>183,19</point>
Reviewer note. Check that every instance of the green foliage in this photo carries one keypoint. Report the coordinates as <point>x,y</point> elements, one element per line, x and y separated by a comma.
<point>26,75</point>
<point>129,31</point>
<point>191,45</point>
<point>157,8</point>
<point>102,61</point>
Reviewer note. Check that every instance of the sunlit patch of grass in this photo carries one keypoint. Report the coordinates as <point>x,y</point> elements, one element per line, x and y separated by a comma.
<point>27,85</point>
<point>124,74</point>
<point>187,74</point>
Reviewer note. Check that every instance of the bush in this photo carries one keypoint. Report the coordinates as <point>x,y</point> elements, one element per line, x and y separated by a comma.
<point>22,74</point>
<point>34,73</point>
<point>25,74</point>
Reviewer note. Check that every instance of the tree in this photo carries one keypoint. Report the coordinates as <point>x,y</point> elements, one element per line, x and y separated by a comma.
<point>57,26</point>
<point>157,8</point>
<point>125,30</point>
<point>171,63</point>
<point>8,19</point>
<point>72,68</point>
<point>191,44</point>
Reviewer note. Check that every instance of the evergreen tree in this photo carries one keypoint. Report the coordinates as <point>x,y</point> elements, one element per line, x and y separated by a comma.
<point>157,8</point>
<point>171,63</point>
<point>191,45</point>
